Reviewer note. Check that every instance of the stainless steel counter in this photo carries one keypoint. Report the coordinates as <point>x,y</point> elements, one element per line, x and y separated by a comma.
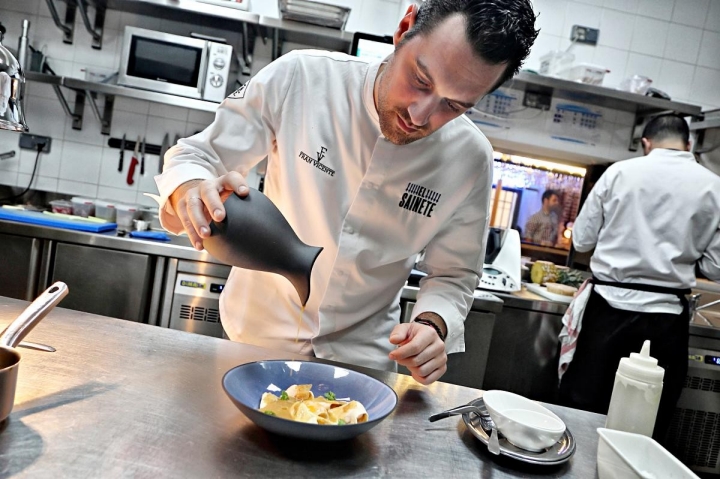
<point>121,399</point>
<point>178,247</point>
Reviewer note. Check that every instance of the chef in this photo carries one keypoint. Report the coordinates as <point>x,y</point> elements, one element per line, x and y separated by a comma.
<point>373,162</point>
<point>651,220</point>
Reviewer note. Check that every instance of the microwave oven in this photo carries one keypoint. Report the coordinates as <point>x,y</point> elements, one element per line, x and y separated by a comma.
<point>173,64</point>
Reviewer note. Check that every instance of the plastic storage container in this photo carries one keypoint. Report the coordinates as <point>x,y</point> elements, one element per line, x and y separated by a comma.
<point>105,210</point>
<point>555,60</point>
<point>62,206</point>
<point>83,206</point>
<point>125,215</point>
<point>636,393</point>
<point>584,73</point>
<point>624,455</point>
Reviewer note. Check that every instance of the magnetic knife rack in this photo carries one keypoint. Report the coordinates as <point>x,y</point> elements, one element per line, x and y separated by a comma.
<point>150,149</point>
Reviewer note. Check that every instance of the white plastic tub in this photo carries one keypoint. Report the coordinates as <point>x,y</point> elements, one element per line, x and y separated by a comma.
<point>625,455</point>
<point>584,73</point>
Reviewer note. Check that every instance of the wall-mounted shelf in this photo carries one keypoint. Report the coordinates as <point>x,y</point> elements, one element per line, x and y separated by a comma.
<point>601,96</point>
<point>89,90</point>
<point>643,107</point>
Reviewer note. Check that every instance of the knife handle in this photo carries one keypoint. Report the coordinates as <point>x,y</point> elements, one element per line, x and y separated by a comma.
<point>131,171</point>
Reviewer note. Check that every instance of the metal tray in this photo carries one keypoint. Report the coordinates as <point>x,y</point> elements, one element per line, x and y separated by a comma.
<point>313,12</point>
<point>557,454</point>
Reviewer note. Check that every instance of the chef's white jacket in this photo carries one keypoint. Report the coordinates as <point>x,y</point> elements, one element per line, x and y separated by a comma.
<point>651,220</point>
<point>372,205</point>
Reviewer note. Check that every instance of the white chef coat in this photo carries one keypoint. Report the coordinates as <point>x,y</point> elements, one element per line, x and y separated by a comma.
<point>651,220</point>
<point>343,186</point>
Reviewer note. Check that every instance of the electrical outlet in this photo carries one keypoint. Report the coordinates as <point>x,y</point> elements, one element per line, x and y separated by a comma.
<point>585,35</point>
<point>28,141</point>
<point>537,99</point>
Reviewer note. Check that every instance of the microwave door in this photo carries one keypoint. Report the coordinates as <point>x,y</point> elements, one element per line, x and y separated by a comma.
<point>163,62</point>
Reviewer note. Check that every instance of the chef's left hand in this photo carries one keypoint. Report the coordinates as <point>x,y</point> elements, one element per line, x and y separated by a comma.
<point>420,350</point>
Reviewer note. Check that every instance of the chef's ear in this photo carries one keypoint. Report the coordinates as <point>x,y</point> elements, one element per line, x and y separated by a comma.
<point>647,146</point>
<point>406,24</point>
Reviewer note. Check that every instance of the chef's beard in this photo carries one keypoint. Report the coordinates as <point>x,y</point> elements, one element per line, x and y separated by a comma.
<point>387,114</point>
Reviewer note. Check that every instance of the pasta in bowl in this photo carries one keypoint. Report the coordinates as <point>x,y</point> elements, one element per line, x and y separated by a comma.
<point>297,395</point>
<point>299,403</point>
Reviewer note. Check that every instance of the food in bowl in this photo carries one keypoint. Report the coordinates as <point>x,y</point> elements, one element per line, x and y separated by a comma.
<point>245,385</point>
<point>298,403</point>
<point>524,423</point>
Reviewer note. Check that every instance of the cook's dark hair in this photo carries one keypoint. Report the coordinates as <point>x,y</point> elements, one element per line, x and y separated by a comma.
<point>500,31</point>
<point>549,194</point>
<point>667,127</point>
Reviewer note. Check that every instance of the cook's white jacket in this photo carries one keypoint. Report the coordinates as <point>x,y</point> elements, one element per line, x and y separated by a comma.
<point>343,186</point>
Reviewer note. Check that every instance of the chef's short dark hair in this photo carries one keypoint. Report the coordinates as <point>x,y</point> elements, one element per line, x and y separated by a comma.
<point>500,31</point>
<point>667,127</point>
<point>549,194</point>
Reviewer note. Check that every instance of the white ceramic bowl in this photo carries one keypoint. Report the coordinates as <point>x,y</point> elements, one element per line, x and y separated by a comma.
<point>523,422</point>
<point>625,455</point>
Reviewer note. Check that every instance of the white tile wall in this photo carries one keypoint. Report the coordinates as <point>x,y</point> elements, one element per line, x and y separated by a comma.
<point>649,36</point>
<point>683,43</point>
<point>643,37</point>
<point>691,12</point>
<point>674,42</point>
<point>616,29</point>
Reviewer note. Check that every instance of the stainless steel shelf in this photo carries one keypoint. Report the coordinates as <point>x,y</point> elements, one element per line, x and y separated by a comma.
<point>706,124</point>
<point>307,29</point>
<point>117,90</point>
<point>601,96</point>
<point>155,7</point>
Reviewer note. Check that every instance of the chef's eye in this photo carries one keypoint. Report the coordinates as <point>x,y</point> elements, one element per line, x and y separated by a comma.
<point>421,83</point>
<point>453,107</point>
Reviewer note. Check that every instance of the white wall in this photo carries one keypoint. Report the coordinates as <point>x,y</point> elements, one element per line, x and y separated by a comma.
<point>676,43</point>
<point>81,163</point>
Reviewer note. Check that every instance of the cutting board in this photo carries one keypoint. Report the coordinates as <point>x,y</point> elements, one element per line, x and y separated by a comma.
<point>40,219</point>
<point>542,291</point>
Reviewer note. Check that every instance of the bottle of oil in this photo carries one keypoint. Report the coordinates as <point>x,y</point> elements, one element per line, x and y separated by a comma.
<point>636,393</point>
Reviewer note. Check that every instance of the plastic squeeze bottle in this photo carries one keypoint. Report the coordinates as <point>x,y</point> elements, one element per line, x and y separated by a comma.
<point>636,393</point>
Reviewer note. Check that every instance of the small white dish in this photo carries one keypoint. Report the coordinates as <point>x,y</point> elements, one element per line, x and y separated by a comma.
<point>625,455</point>
<point>524,423</point>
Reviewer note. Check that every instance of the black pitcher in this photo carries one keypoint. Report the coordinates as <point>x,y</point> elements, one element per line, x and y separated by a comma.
<point>256,235</point>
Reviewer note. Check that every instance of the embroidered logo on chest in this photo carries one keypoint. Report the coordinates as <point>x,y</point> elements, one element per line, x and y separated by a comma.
<point>317,162</point>
<point>419,199</point>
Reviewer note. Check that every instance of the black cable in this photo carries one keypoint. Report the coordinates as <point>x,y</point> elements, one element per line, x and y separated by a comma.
<point>32,176</point>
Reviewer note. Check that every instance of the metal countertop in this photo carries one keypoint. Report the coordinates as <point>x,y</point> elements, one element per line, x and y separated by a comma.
<point>126,399</point>
<point>178,246</point>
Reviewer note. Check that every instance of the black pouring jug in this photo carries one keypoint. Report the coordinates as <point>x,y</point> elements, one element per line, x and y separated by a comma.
<point>255,235</point>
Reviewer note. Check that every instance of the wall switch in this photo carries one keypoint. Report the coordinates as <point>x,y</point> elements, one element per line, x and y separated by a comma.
<point>28,141</point>
<point>585,35</point>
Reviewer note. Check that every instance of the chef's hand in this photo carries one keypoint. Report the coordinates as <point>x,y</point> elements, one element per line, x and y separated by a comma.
<point>197,202</point>
<point>420,349</point>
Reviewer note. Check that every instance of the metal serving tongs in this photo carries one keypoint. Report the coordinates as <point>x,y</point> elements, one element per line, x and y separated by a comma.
<point>485,419</point>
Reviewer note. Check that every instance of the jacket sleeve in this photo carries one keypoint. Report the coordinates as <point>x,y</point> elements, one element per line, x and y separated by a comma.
<point>710,261</point>
<point>454,260</point>
<point>589,221</point>
<point>242,134</point>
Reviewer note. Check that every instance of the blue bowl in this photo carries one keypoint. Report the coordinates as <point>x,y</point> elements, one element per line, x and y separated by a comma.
<point>245,385</point>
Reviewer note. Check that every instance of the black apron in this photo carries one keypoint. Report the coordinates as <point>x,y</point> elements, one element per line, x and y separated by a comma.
<point>609,334</point>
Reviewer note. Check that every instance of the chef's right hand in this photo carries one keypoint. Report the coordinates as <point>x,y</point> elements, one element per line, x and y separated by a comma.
<point>197,202</point>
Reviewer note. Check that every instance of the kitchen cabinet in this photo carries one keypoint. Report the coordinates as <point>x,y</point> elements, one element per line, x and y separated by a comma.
<point>524,353</point>
<point>468,368</point>
<point>106,282</point>
<point>19,264</point>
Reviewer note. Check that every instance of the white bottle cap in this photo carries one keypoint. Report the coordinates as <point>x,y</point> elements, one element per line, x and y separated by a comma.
<point>642,366</point>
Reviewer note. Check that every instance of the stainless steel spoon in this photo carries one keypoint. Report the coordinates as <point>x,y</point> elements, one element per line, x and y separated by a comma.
<point>494,443</point>
<point>457,411</point>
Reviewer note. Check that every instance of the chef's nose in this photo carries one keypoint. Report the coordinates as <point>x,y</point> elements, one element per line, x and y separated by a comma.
<point>421,110</point>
